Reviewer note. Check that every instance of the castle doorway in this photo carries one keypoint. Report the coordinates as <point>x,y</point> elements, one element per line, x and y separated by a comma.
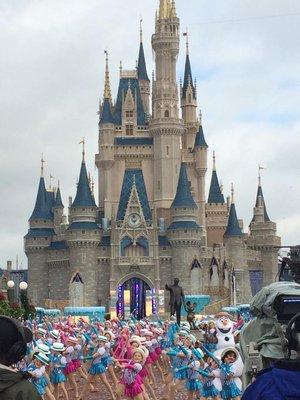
<point>135,299</point>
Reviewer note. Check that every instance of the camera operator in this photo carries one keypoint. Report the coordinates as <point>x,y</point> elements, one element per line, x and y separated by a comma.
<point>13,346</point>
<point>267,342</point>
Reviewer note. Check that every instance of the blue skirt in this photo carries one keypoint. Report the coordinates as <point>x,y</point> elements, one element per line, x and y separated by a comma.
<point>210,391</point>
<point>193,385</point>
<point>106,361</point>
<point>181,375</point>
<point>40,388</point>
<point>97,369</point>
<point>230,390</point>
<point>57,377</point>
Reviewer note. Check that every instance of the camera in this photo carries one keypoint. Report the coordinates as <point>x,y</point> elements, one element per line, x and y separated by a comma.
<point>286,307</point>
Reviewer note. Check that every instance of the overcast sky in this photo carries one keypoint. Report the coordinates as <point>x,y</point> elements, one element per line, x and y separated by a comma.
<point>244,54</point>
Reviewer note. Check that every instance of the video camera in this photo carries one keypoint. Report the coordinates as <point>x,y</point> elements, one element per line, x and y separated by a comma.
<point>286,307</point>
<point>275,331</point>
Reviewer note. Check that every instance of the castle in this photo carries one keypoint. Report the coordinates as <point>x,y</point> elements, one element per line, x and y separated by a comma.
<point>153,221</point>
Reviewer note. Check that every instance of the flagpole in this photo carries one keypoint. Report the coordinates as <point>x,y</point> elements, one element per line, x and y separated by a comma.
<point>234,287</point>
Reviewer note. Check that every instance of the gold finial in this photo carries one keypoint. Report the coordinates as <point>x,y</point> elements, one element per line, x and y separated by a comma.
<point>214,161</point>
<point>259,174</point>
<point>50,181</point>
<point>83,148</point>
<point>200,117</point>
<point>232,193</point>
<point>121,67</point>
<point>186,34</point>
<point>42,165</point>
<point>141,30</point>
<point>164,9</point>
<point>173,10</point>
<point>58,184</point>
<point>107,91</point>
<point>93,185</point>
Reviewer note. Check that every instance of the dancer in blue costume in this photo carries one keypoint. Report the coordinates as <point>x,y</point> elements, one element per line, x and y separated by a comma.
<point>57,375</point>
<point>37,371</point>
<point>98,368</point>
<point>230,390</point>
<point>209,389</point>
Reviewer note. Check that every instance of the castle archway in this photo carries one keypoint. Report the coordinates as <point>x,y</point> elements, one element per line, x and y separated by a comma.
<point>135,297</point>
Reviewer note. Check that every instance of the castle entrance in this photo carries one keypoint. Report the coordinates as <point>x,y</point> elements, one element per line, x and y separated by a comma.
<point>135,299</point>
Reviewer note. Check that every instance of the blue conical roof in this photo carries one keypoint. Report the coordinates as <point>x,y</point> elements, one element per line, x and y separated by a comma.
<point>58,201</point>
<point>106,116</point>
<point>142,70</point>
<point>215,194</point>
<point>188,78</point>
<point>233,228</point>
<point>42,208</point>
<point>260,193</point>
<point>200,139</point>
<point>84,197</point>
<point>183,196</point>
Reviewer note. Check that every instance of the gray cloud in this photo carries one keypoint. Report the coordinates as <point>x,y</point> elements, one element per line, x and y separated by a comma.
<point>51,77</point>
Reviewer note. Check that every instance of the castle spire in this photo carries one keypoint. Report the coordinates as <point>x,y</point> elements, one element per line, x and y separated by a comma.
<point>215,194</point>
<point>183,196</point>
<point>260,197</point>
<point>141,67</point>
<point>233,227</point>
<point>107,91</point>
<point>84,196</point>
<point>188,77</point>
<point>58,201</point>
<point>41,208</point>
<point>200,139</point>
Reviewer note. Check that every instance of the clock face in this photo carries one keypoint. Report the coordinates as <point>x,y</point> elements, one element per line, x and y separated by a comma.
<point>134,220</point>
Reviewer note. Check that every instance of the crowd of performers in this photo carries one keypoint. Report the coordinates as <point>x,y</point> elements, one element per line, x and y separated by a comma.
<point>69,359</point>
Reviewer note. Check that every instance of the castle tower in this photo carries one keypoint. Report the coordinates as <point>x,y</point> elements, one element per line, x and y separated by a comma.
<point>263,237</point>
<point>235,247</point>
<point>166,126</point>
<point>58,211</point>
<point>216,210</point>
<point>105,158</point>
<point>200,155</point>
<point>83,238</point>
<point>144,81</point>
<point>188,103</point>
<point>184,234</point>
<point>37,241</point>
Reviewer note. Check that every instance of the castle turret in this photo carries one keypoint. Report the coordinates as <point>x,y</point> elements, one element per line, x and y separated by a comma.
<point>37,241</point>
<point>200,154</point>
<point>236,252</point>
<point>263,237</point>
<point>58,211</point>
<point>83,238</point>
<point>166,126</point>
<point>188,103</point>
<point>106,156</point>
<point>216,210</point>
<point>144,81</point>
<point>184,233</point>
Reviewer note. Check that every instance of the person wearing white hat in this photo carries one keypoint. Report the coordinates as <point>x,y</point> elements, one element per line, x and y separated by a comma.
<point>37,369</point>
<point>97,368</point>
<point>57,376</point>
<point>107,359</point>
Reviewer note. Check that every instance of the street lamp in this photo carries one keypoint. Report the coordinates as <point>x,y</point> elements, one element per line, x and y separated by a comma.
<point>10,284</point>
<point>11,291</point>
<point>23,285</point>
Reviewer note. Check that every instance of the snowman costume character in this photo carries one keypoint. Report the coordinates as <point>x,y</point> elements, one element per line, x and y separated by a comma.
<point>225,337</point>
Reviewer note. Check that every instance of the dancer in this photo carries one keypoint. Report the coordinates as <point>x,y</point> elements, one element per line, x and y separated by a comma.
<point>57,376</point>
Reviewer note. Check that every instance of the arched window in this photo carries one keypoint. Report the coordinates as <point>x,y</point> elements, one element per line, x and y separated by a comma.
<point>167,114</point>
<point>190,98</point>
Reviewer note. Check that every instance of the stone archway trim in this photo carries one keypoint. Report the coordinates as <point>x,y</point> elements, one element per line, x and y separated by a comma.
<point>136,275</point>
